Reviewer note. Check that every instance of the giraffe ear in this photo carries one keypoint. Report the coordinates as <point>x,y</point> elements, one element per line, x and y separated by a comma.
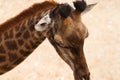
<point>81,6</point>
<point>88,8</point>
<point>43,23</point>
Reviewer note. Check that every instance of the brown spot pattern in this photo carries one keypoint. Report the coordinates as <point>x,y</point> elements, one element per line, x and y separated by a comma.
<point>18,35</point>
<point>32,28</point>
<point>6,67</point>
<point>12,56</point>
<point>19,60</point>
<point>20,42</point>
<point>8,35</point>
<point>22,28</point>
<point>24,52</point>
<point>2,50</point>
<point>2,58</point>
<point>26,35</point>
<point>17,28</point>
<point>11,45</point>
<point>0,39</point>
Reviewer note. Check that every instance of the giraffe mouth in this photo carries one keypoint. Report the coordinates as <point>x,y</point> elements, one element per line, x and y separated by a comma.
<point>77,63</point>
<point>79,77</point>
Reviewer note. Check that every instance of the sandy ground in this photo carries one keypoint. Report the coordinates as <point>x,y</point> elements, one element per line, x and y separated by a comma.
<point>102,48</point>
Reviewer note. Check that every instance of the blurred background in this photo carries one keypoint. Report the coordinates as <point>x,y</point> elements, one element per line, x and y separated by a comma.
<point>102,47</point>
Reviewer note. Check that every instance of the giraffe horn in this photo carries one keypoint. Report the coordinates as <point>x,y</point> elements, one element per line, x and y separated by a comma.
<point>80,5</point>
<point>65,10</point>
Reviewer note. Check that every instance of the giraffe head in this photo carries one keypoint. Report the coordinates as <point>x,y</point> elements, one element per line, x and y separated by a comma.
<point>67,35</point>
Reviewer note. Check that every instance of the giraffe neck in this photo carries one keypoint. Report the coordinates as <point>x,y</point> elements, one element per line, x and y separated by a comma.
<point>17,42</point>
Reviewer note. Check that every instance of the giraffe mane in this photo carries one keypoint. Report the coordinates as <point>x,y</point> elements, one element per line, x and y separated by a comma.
<point>35,8</point>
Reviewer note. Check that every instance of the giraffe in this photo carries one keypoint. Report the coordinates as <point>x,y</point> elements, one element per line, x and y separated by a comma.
<point>68,34</point>
<point>18,37</point>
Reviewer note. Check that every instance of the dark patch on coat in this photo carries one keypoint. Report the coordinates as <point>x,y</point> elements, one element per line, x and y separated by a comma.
<point>24,52</point>
<point>32,28</point>
<point>8,35</point>
<point>12,56</point>
<point>2,58</point>
<point>18,60</point>
<point>6,67</point>
<point>20,42</point>
<point>2,50</point>
<point>18,34</point>
<point>0,39</point>
<point>11,45</point>
<point>17,28</point>
<point>26,35</point>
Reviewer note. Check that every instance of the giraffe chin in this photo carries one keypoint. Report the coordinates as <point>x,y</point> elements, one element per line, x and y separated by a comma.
<point>81,75</point>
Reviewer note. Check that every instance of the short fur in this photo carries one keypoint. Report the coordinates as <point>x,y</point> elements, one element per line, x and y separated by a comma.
<point>38,7</point>
<point>18,38</point>
<point>67,37</point>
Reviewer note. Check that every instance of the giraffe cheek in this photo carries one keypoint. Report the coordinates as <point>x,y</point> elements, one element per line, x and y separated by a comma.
<point>58,39</point>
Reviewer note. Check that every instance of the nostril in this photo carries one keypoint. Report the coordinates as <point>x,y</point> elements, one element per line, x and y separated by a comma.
<point>43,24</point>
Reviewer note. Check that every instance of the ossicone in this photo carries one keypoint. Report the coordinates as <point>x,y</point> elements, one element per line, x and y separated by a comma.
<point>63,10</point>
<point>80,5</point>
